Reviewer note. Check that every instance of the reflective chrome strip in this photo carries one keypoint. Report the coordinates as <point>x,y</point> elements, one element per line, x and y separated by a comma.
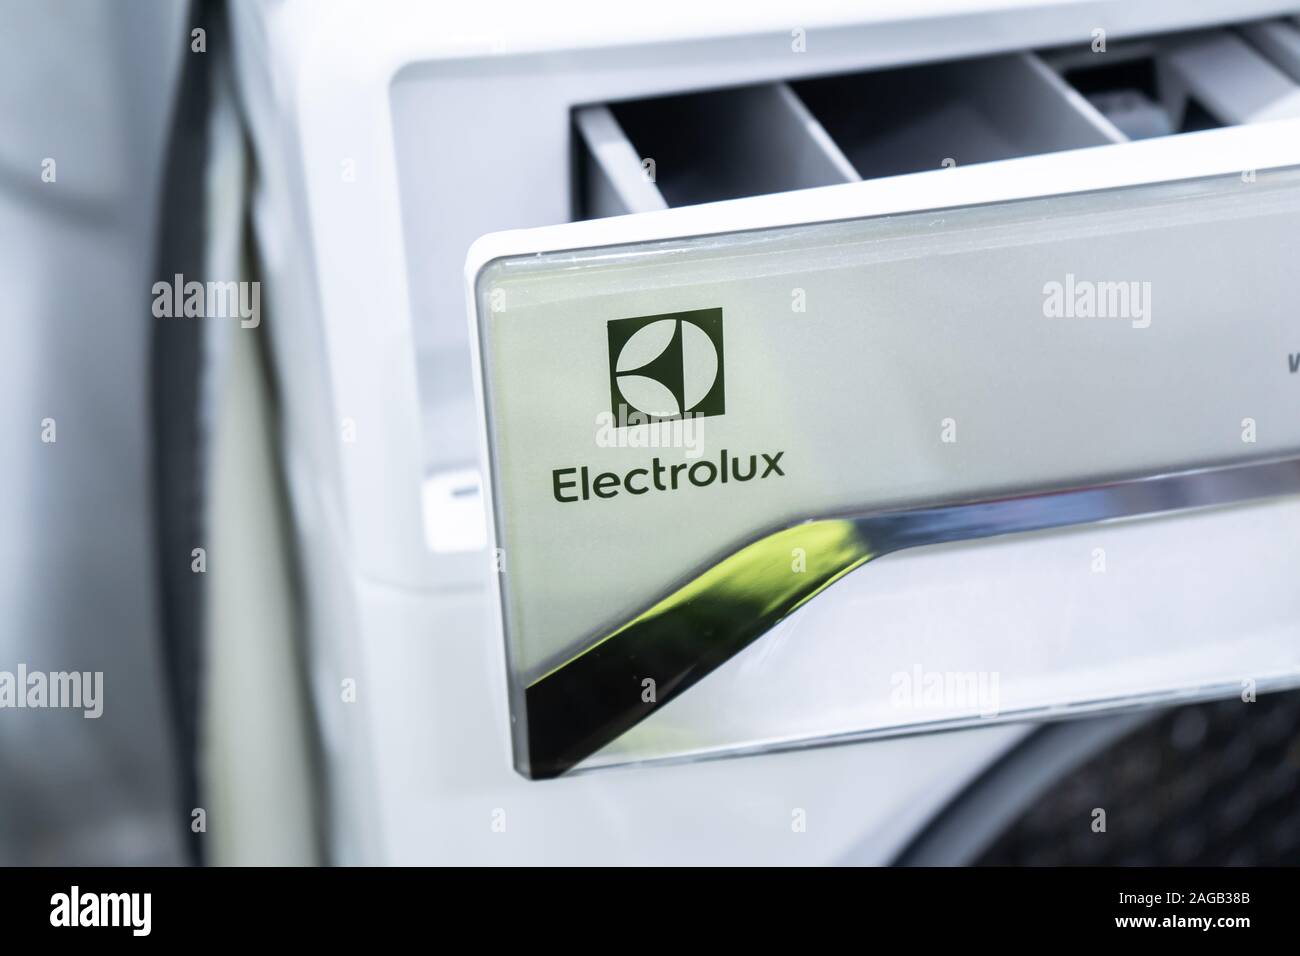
<point>577,708</point>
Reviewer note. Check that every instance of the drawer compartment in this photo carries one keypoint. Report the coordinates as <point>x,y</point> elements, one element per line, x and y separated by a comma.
<point>928,117</point>
<point>683,150</point>
<point>687,149</point>
<point>1189,83</point>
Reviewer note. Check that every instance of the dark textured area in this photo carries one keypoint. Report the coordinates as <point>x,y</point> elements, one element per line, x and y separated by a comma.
<point>179,435</point>
<point>1208,784</point>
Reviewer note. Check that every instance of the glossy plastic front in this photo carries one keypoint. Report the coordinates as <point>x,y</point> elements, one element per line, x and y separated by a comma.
<point>892,364</point>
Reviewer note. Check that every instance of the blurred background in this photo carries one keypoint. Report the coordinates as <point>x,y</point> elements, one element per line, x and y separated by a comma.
<point>90,86</point>
<point>111,175</point>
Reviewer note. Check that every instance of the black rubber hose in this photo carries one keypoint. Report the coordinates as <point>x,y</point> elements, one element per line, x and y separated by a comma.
<point>179,440</point>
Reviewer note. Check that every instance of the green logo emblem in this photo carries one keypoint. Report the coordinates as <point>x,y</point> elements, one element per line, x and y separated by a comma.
<point>666,366</point>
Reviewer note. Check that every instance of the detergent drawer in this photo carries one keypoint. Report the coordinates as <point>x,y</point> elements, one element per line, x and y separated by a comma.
<point>973,399</point>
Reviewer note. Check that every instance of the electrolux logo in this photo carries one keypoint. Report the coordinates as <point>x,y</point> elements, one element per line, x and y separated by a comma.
<point>667,366</point>
<point>578,484</point>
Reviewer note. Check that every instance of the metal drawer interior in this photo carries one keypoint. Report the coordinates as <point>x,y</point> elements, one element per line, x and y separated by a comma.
<point>666,152</point>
